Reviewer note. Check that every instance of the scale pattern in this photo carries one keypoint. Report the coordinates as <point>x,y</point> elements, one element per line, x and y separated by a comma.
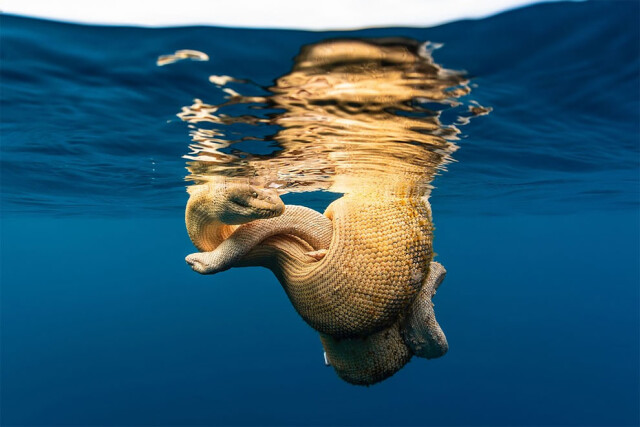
<point>361,275</point>
<point>374,267</point>
<point>371,359</point>
<point>368,360</point>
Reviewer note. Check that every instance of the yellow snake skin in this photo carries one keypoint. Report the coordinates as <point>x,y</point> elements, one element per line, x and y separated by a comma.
<point>373,268</point>
<point>371,359</point>
<point>299,242</point>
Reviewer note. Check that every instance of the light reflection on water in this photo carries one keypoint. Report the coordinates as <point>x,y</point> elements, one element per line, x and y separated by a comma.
<point>351,115</point>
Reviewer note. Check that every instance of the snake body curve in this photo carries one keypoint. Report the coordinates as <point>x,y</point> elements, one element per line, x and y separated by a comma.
<point>299,240</point>
<point>378,256</point>
<point>368,359</point>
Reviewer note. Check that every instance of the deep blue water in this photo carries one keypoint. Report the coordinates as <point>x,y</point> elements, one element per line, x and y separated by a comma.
<point>538,224</point>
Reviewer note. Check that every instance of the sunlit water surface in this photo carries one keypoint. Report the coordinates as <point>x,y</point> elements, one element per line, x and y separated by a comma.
<point>525,138</point>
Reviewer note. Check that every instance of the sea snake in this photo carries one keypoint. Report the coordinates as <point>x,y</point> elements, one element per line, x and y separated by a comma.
<point>353,274</point>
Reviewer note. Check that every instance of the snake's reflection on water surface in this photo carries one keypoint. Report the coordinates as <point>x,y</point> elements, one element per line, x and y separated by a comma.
<point>355,117</point>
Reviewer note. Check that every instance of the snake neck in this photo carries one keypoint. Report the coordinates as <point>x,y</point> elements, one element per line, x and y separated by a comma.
<point>286,256</point>
<point>279,253</point>
<point>309,230</point>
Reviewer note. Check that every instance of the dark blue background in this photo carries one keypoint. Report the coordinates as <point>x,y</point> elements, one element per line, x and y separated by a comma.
<point>537,224</point>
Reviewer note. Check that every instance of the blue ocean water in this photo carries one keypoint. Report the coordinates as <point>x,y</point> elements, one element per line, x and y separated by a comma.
<point>537,222</point>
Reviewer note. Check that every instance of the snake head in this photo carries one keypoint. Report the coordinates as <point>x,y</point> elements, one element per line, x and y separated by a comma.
<point>204,263</point>
<point>246,203</point>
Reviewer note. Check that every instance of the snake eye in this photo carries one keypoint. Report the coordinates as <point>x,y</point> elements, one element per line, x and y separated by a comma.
<point>254,194</point>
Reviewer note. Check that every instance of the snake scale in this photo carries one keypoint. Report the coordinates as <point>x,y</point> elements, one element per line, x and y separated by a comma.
<point>359,274</point>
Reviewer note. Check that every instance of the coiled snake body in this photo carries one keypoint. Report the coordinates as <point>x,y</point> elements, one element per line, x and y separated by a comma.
<point>353,273</point>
